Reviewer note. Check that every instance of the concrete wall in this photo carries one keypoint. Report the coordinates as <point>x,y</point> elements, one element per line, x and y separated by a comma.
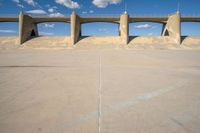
<point>124,28</point>
<point>26,27</point>
<point>172,28</point>
<point>75,28</point>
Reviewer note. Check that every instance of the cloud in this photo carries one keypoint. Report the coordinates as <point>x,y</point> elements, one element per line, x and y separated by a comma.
<point>18,3</point>
<point>105,3</point>
<point>103,30</point>
<point>31,2</point>
<point>56,15</point>
<point>46,33</point>
<point>84,12</point>
<point>91,11</point>
<point>144,26</point>
<point>7,31</point>
<point>49,25</point>
<point>68,3</point>
<point>150,34</point>
<point>52,9</point>
<point>37,11</point>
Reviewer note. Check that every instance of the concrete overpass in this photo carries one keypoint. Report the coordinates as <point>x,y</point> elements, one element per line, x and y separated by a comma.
<point>171,24</point>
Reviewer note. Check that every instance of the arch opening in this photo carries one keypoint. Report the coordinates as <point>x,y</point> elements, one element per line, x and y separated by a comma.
<point>33,34</point>
<point>145,29</point>
<point>100,29</point>
<point>53,29</point>
<point>190,29</point>
<point>9,29</point>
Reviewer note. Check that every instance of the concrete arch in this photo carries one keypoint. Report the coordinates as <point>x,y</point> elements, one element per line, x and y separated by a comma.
<point>159,22</point>
<point>113,22</point>
<point>40,22</point>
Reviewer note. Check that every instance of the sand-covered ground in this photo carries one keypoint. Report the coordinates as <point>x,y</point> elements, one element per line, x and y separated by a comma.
<point>101,42</point>
<point>106,91</point>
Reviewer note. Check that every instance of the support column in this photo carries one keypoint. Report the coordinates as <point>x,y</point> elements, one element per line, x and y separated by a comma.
<point>173,28</point>
<point>27,28</point>
<point>124,28</point>
<point>75,28</point>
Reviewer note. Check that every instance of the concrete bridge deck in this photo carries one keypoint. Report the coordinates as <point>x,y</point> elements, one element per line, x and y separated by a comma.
<point>40,19</point>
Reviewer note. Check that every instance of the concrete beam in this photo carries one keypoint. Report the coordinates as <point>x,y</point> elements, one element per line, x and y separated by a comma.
<point>27,28</point>
<point>75,28</point>
<point>173,28</point>
<point>124,28</point>
<point>51,19</point>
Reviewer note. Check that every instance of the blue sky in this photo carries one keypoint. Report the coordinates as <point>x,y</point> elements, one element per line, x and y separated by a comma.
<point>99,7</point>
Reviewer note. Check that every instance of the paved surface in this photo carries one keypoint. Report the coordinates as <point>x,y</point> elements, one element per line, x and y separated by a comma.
<point>110,91</point>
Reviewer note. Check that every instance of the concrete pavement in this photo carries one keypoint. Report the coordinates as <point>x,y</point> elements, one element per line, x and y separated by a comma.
<point>59,91</point>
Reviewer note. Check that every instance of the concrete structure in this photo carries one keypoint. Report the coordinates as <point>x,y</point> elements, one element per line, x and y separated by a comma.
<point>142,91</point>
<point>171,32</point>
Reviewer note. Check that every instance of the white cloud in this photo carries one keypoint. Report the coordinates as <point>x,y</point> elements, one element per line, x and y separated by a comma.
<point>150,34</point>
<point>84,12</point>
<point>7,31</point>
<point>39,11</point>
<point>103,30</point>
<point>105,3</point>
<point>144,26</point>
<point>49,25</point>
<point>31,2</point>
<point>20,5</point>
<point>46,33</point>
<point>51,10</point>
<point>68,3</point>
<point>56,15</point>
<point>16,1</point>
<point>91,11</point>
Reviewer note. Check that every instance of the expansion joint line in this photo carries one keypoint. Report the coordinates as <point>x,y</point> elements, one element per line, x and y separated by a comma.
<point>99,98</point>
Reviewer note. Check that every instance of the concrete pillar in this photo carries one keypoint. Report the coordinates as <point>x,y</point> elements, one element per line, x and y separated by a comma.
<point>75,28</point>
<point>173,28</point>
<point>124,28</point>
<point>27,28</point>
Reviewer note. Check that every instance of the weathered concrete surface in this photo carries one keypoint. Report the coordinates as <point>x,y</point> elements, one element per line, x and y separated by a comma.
<point>141,91</point>
<point>75,28</point>
<point>27,28</point>
<point>124,28</point>
<point>172,28</point>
